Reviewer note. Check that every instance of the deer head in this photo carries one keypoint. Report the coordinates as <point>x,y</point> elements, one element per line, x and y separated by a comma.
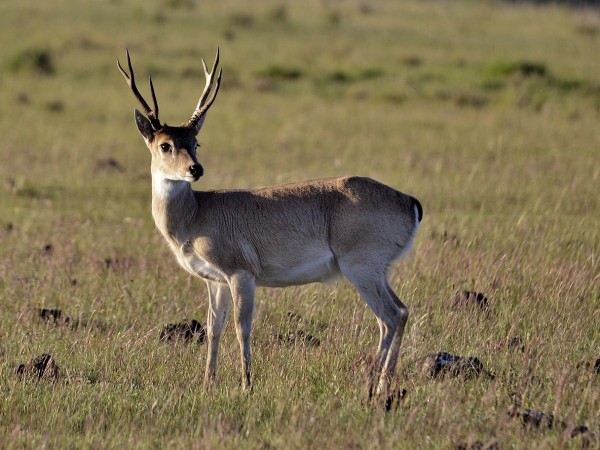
<point>173,149</point>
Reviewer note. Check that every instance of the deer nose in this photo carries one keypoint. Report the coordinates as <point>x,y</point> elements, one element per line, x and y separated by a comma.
<point>196,171</point>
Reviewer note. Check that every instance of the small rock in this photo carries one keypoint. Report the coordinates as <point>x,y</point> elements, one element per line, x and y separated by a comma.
<point>395,399</point>
<point>580,429</point>
<point>46,250</point>
<point>49,315</point>
<point>537,419</point>
<point>532,418</point>
<point>183,331</point>
<point>587,438</point>
<point>465,298</point>
<point>442,363</point>
<point>108,165</point>
<point>516,343</point>
<point>22,98</point>
<point>40,367</point>
<point>300,337</point>
<point>590,365</point>
<point>56,317</point>
<point>307,339</point>
<point>55,105</point>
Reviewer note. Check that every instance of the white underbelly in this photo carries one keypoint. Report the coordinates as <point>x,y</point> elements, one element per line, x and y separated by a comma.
<point>312,264</point>
<point>321,267</point>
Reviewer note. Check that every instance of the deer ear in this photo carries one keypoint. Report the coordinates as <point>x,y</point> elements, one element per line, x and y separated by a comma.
<point>144,126</point>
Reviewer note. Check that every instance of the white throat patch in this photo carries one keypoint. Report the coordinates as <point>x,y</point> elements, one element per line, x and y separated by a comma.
<point>165,188</point>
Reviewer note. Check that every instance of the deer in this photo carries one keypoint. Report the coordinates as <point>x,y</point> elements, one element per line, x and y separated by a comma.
<point>290,234</point>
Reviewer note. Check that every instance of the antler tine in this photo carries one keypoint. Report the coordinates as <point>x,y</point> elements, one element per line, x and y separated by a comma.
<point>130,79</point>
<point>153,97</point>
<point>199,115</point>
<point>209,80</point>
<point>203,105</point>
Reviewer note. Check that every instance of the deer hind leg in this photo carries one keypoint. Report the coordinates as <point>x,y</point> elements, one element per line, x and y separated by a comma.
<point>219,299</point>
<point>373,288</point>
<point>389,366</point>
<point>242,287</point>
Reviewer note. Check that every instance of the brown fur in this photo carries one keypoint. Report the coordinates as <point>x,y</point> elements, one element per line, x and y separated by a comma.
<point>284,235</point>
<point>278,222</point>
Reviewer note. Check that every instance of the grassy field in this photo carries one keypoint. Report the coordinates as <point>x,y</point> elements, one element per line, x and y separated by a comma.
<point>487,112</point>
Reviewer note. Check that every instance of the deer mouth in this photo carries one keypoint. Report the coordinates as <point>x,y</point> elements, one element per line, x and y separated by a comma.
<point>190,178</point>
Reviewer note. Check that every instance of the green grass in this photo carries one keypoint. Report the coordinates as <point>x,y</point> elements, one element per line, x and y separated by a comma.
<point>486,112</point>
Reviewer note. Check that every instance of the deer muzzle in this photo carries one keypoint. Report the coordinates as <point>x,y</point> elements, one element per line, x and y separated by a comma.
<point>196,171</point>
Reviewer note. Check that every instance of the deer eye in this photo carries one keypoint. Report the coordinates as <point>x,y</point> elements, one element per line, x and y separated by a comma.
<point>166,147</point>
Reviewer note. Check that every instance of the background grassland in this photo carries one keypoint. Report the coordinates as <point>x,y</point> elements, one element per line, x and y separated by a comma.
<point>488,113</point>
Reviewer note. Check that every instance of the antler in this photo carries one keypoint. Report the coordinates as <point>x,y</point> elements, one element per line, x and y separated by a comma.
<point>152,115</point>
<point>199,114</point>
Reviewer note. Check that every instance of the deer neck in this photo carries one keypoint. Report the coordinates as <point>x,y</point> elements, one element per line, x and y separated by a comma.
<point>173,207</point>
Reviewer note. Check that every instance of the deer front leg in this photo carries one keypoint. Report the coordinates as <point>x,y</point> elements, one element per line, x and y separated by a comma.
<point>219,298</point>
<point>242,286</point>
